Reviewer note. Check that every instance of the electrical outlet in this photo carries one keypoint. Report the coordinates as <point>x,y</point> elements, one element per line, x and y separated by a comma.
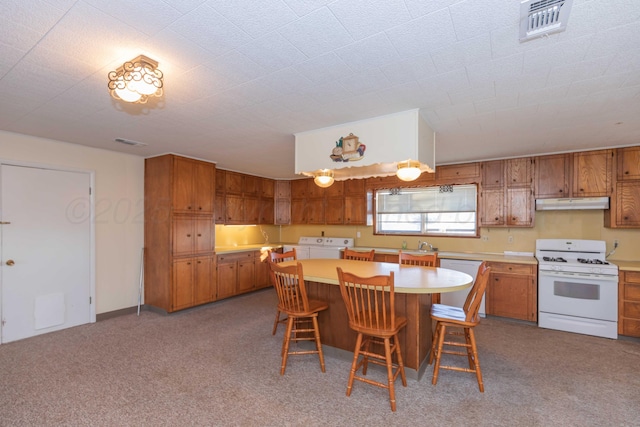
<point>358,234</point>
<point>510,239</point>
<point>485,238</point>
<point>615,243</point>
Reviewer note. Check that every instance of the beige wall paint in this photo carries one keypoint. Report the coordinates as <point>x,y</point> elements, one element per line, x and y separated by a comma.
<point>548,225</point>
<point>119,203</point>
<point>238,235</point>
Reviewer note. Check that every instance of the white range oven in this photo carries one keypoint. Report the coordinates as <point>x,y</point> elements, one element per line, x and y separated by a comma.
<point>577,287</point>
<point>320,247</point>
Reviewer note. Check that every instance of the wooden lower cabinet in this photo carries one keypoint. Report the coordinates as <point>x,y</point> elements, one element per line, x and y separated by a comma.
<point>263,280</point>
<point>238,273</point>
<point>512,291</point>
<point>192,282</point>
<point>629,303</point>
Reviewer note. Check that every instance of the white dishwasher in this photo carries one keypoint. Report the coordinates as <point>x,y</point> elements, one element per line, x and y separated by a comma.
<point>466,266</point>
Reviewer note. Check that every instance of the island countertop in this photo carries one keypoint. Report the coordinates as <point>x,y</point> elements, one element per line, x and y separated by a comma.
<point>407,279</point>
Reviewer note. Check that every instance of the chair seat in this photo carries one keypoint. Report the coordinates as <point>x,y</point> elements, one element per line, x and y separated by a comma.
<point>314,307</point>
<point>448,312</point>
<point>382,331</point>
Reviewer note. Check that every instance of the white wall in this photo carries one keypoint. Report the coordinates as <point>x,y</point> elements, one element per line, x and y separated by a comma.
<point>119,203</point>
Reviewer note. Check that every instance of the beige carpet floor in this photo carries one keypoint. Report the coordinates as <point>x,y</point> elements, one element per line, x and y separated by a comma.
<point>218,365</point>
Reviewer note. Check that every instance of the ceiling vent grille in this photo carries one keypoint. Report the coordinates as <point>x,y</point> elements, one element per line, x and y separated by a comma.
<point>130,142</point>
<point>542,17</point>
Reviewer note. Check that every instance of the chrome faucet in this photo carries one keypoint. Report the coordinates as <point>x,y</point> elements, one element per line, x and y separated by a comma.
<point>422,246</point>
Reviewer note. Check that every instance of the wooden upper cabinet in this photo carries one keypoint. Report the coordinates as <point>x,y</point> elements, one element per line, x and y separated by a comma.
<point>335,190</point>
<point>314,191</point>
<point>493,174</point>
<point>592,172</point>
<point>492,208</point>
<point>220,180</point>
<point>628,204</point>
<point>299,189</point>
<point>519,207</point>
<point>354,187</point>
<point>193,186</point>
<point>519,172</point>
<point>268,188</point>
<point>283,189</point>
<point>466,172</point>
<point>252,185</point>
<point>552,176</point>
<point>233,182</point>
<point>628,163</point>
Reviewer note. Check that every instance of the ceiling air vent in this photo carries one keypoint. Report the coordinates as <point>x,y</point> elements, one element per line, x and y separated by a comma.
<point>542,17</point>
<point>130,142</point>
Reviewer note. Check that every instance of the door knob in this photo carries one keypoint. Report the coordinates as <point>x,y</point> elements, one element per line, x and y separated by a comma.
<point>10,262</point>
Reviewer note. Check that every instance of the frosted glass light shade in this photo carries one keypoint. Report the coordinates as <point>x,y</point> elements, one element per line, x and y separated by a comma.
<point>324,179</point>
<point>408,170</point>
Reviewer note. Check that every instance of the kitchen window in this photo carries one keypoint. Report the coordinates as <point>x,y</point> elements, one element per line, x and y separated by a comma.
<point>446,210</point>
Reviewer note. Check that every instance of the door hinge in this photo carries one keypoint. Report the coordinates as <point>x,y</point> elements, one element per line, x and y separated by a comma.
<point>3,322</point>
<point>89,190</point>
<point>89,300</point>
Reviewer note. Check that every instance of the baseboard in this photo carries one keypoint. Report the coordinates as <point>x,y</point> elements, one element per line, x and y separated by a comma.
<point>117,313</point>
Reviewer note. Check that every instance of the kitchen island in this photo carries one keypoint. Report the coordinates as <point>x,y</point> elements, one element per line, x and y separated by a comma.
<point>413,289</point>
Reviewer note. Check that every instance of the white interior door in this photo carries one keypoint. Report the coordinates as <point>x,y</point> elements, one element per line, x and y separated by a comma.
<point>46,250</point>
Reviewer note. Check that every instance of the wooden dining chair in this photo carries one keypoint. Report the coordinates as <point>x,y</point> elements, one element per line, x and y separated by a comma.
<point>465,318</point>
<point>277,258</point>
<point>370,303</point>
<point>424,260</point>
<point>358,255</point>
<point>300,310</point>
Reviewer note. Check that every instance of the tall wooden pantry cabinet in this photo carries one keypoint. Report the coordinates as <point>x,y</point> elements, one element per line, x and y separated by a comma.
<point>179,232</point>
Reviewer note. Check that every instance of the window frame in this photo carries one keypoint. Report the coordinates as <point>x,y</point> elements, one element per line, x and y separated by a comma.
<point>423,232</point>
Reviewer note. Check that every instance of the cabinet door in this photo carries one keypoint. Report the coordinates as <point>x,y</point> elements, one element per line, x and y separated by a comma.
<point>519,172</point>
<point>251,210</point>
<point>552,176</point>
<point>221,209</point>
<point>467,172</point>
<point>182,282</point>
<point>334,213</point>
<point>226,279</point>
<point>355,210</point>
<point>335,190</point>
<point>509,295</point>
<point>628,163</point>
<point>354,187</point>
<point>267,210</point>
<point>233,182</point>
<point>268,188</point>
<point>252,185</point>
<point>203,287</point>
<point>315,211</point>
<point>492,208</point>
<point>283,211</point>
<point>204,240</point>
<point>298,211</point>
<point>299,189</point>
<point>283,189</point>
<point>204,192</point>
<point>628,204</point>
<point>519,207</point>
<point>246,274</point>
<point>234,207</point>
<point>183,236</point>
<point>262,272</point>
<point>183,185</point>
<point>220,181</point>
<point>493,174</point>
<point>592,173</point>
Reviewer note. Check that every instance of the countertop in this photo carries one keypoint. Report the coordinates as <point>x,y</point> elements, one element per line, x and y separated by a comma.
<point>626,265</point>
<point>474,256</point>
<point>407,279</point>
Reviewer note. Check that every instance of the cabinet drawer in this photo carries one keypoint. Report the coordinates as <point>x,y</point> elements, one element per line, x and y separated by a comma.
<point>631,277</point>
<point>631,292</point>
<point>238,256</point>
<point>510,268</point>
<point>631,309</point>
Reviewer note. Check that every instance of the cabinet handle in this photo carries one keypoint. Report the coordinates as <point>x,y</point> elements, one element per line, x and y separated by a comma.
<point>188,207</point>
<point>199,235</point>
<point>199,208</point>
<point>496,218</point>
<point>626,172</point>
<point>188,263</point>
<point>559,191</point>
<point>188,235</point>
<point>582,189</point>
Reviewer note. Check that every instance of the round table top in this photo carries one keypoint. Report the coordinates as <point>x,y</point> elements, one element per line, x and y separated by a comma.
<point>407,279</point>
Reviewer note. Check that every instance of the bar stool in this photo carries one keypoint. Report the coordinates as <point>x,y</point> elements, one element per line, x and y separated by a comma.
<point>370,303</point>
<point>278,258</point>
<point>465,318</point>
<point>300,311</point>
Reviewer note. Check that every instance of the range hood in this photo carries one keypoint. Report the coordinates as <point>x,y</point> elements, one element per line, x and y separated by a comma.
<point>572,203</point>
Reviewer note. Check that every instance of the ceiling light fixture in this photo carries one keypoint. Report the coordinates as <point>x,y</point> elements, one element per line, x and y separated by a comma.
<point>408,170</point>
<point>324,178</point>
<point>136,80</point>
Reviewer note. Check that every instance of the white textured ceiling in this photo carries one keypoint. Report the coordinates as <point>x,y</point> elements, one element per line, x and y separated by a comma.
<point>242,76</point>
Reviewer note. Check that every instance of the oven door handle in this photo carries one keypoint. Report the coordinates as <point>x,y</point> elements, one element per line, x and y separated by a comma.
<point>587,276</point>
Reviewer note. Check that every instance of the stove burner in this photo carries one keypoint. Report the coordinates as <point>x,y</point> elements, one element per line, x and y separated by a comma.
<point>592,261</point>
<point>558,259</point>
